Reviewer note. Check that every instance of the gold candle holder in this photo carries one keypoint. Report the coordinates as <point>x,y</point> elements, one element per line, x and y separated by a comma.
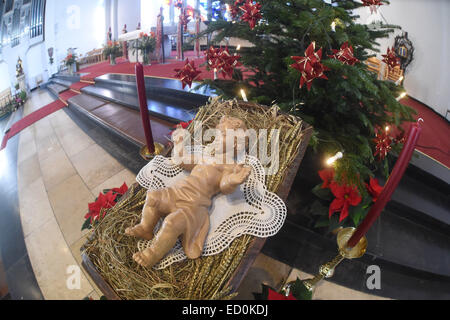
<point>147,155</point>
<point>327,270</point>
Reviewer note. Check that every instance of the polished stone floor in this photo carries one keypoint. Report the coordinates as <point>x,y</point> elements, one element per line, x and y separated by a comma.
<point>60,169</point>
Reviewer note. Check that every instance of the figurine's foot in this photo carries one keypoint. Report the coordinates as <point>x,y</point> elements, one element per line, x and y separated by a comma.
<point>139,232</point>
<point>143,258</point>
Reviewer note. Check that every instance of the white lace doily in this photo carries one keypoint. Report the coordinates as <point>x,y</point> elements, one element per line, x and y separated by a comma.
<point>251,209</point>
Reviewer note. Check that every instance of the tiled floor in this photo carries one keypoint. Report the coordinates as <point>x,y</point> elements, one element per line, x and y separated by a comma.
<point>61,170</point>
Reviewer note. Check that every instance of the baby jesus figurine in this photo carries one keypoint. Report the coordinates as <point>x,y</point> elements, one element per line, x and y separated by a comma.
<point>184,206</point>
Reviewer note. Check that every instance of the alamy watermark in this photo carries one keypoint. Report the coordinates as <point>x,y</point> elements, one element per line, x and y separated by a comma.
<point>374,280</point>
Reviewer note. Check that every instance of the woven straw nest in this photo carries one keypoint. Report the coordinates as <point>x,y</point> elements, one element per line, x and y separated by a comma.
<point>206,277</point>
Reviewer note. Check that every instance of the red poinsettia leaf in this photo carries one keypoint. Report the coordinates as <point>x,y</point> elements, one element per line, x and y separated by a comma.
<point>121,190</point>
<point>336,205</point>
<point>374,188</point>
<point>273,295</point>
<point>327,176</point>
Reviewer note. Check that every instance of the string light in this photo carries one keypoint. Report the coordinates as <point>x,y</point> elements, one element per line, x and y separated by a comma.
<point>215,73</point>
<point>244,96</point>
<point>399,80</point>
<point>333,26</point>
<point>401,96</point>
<point>334,158</point>
<point>387,128</point>
<point>238,47</point>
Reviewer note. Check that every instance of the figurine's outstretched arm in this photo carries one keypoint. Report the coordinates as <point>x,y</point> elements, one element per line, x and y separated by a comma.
<point>232,180</point>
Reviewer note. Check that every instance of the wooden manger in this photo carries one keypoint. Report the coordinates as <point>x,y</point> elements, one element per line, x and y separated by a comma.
<point>107,255</point>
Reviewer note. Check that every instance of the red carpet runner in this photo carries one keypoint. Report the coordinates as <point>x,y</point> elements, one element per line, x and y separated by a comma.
<point>30,119</point>
<point>38,115</point>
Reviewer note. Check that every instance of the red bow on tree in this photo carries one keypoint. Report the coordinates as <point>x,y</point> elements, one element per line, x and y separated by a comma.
<point>391,59</point>
<point>382,144</point>
<point>184,19</point>
<point>373,4</point>
<point>226,62</point>
<point>234,8</point>
<point>310,66</point>
<point>187,74</point>
<point>346,196</point>
<point>345,54</point>
<point>252,13</point>
<point>222,60</point>
<point>211,56</point>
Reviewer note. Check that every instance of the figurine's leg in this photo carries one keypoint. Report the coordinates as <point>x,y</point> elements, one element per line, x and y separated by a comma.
<point>150,217</point>
<point>173,226</point>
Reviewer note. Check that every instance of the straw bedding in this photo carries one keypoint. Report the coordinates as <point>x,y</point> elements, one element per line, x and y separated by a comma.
<point>110,250</point>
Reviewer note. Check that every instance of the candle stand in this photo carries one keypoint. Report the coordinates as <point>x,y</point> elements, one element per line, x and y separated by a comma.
<point>147,155</point>
<point>327,270</point>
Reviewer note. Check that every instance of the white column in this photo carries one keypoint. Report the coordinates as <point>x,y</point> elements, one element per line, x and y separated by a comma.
<point>114,19</point>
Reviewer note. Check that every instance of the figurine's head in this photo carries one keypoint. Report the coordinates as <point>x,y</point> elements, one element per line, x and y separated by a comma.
<point>227,122</point>
<point>236,128</point>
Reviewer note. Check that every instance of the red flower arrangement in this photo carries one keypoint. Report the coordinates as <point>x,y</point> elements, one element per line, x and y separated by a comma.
<point>105,200</point>
<point>344,198</point>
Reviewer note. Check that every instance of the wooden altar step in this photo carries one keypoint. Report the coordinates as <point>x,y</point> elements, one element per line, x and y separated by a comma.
<point>166,111</point>
<point>123,121</point>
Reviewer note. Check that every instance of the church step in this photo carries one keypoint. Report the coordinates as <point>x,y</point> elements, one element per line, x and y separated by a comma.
<point>168,90</point>
<point>64,83</point>
<point>67,77</point>
<point>56,89</point>
<point>166,111</point>
<point>125,122</point>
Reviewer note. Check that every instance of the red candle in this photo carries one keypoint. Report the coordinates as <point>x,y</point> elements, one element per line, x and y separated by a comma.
<point>391,185</point>
<point>140,83</point>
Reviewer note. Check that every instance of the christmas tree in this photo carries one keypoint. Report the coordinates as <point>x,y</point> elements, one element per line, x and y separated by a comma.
<point>308,58</point>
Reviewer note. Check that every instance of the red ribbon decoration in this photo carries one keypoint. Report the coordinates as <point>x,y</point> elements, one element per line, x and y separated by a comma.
<point>184,19</point>
<point>382,144</point>
<point>391,59</point>
<point>187,74</point>
<point>373,4</point>
<point>345,54</point>
<point>310,66</point>
<point>252,13</point>
<point>222,60</point>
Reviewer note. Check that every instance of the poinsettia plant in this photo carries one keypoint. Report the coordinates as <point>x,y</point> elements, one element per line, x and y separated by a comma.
<point>340,203</point>
<point>98,209</point>
<point>297,291</point>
